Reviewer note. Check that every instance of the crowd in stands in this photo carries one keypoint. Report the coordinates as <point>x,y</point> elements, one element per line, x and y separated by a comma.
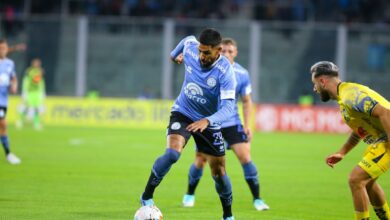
<point>362,11</point>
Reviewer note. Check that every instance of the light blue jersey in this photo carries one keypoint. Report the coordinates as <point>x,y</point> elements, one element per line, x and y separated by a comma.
<point>7,71</point>
<point>203,88</point>
<point>243,88</point>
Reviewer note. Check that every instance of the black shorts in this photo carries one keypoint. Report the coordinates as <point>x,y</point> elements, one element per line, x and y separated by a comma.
<point>210,141</point>
<point>3,112</point>
<point>234,134</point>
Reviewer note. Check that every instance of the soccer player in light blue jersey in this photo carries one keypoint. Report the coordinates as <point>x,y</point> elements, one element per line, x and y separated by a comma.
<point>8,83</point>
<point>236,134</point>
<point>205,101</point>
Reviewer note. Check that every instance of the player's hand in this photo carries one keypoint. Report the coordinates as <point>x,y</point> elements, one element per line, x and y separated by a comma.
<point>179,59</point>
<point>248,133</point>
<point>200,125</point>
<point>332,159</point>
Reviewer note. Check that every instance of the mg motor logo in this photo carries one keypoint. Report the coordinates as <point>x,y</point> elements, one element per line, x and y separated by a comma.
<point>195,93</point>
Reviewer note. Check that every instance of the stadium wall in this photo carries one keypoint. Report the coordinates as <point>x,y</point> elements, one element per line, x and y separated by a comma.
<point>102,112</point>
<point>154,114</point>
<point>299,118</point>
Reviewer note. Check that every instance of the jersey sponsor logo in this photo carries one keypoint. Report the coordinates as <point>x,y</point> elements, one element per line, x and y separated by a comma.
<point>239,70</point>
<point>367,138</point>
<point>175,126</point>
<point>4,79</point>
<point>211,82</point>
<point>195,93</point>
<point>370,139</point>
<point>192,54</point>
<point>361,132</point>
<point>188,68</point>
<point>365,163</point>
<point>221,68</point>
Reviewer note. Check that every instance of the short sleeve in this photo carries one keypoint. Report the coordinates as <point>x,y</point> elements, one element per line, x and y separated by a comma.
<point>13,72</point>
<point>246,87</point>
<point>228,84</point>
<point>360,101</point>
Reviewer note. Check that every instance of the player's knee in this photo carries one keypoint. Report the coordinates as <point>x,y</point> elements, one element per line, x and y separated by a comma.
<point>355,182</point>
<point>176,143</point>
<point>200,162</point>
<point>242,152</point>
<point>218,171</point>
<point>3,128</point>
<point>172,155</point>
<point>244,159</point>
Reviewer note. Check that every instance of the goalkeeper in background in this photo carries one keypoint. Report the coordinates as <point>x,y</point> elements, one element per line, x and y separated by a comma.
<point>33,95</point>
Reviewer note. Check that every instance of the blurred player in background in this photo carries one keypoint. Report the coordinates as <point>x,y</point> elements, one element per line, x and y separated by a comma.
<point>205,100</point>
<point>8,83</point>
<point>33,95</point>
<point>236,134</point>
<point>368,115</point>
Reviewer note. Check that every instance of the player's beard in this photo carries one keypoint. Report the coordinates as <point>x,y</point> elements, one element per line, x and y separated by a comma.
<point>324,96</point>
<point>206,64</point>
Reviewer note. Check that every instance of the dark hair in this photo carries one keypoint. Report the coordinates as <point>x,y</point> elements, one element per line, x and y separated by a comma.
<point>210,37</point>
<point>229,41</point>
<point>324,68</point>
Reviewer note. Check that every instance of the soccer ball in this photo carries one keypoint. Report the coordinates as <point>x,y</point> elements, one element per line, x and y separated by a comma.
<point>148,213</point>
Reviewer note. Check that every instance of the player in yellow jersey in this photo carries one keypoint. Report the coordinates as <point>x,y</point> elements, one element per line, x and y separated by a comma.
<point>367,113</point>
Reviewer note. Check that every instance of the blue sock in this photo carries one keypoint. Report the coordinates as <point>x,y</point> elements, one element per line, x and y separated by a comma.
<point>252,178</point>
<point>5,143</point>
<point>224,189</point>
<point>194,176</point>
<point>160,168</point>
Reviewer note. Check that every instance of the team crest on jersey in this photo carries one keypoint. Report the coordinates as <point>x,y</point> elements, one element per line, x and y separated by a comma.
<point>4,79</point>
<point>194,92</point>
<point>368,104</point>
<point>175,126</point>
<point>211,82</point>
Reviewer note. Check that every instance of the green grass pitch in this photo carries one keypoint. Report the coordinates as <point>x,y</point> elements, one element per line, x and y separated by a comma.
<point>96,173</point>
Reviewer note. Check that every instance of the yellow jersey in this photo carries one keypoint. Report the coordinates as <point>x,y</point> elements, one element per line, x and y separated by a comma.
<point>356,105</point>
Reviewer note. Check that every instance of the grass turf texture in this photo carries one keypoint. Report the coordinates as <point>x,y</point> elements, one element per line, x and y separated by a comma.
<point>91,173</point>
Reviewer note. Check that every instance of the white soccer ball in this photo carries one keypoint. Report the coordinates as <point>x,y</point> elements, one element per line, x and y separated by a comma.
<point>148,213</point>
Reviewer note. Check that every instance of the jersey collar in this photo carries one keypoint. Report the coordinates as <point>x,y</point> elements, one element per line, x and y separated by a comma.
<point>215,62</point>
<point>338,90</point>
